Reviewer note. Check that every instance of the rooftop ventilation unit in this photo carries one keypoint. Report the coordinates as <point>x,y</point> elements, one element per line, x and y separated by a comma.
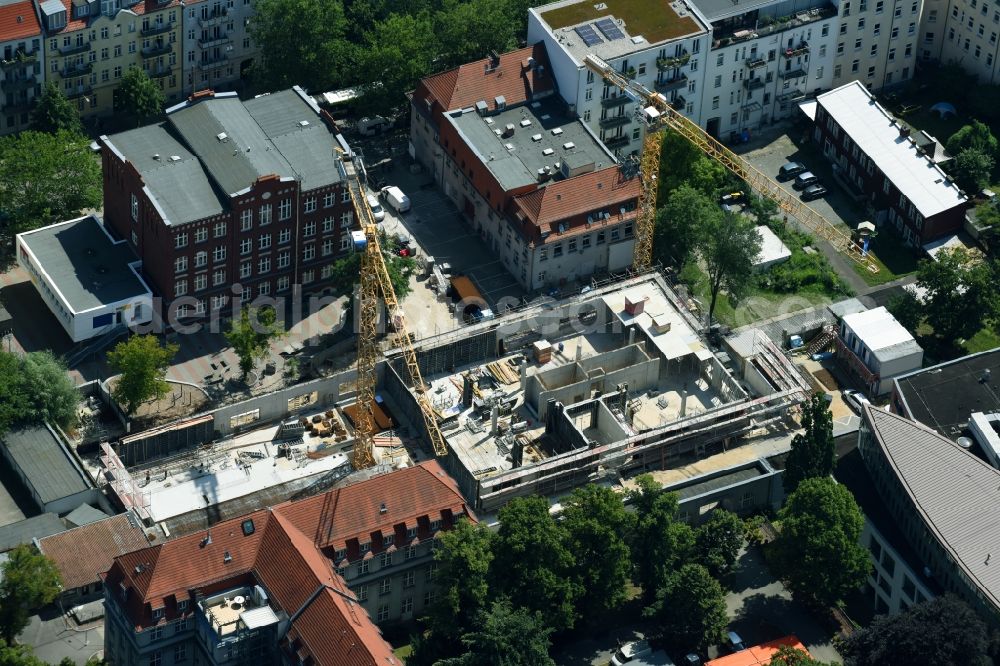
<point>489,121</point>
<point>156,157</point>
<point>569,145</point>
<point>536,137</point>
<point>227,557</point>
<point>557,131</point>
<point>222,137</point>
<point>509,147</point>
<point>526,123</point>
<point>509,129</point>
<point>175,158</point>
<point>498,132</point>
<point>303,123</point>
<point>501,102</point>
<point>547,152</point>
<point>481,107</point>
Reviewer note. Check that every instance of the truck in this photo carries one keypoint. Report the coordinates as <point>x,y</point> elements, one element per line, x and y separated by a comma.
<point>395,198</point>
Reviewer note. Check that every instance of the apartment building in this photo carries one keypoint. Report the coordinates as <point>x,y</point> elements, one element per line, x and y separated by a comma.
<point>665,50</point>
<point>218,49</point>
<point>533,180</point>
<point>963,32</point>
<point>22,64</point>
<point>764,59</point>
<point>268,587</point>
<point>226,192</point>
<point>90,45</point>
<point>878,159</point>
<point>877,42</point>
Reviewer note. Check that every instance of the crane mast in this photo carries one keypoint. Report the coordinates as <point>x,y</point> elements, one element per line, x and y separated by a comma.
<point>659,115</point>
<point>375,283</point>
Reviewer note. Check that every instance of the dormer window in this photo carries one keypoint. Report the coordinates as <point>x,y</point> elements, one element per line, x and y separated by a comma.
<point>157,613</point>
<point>340,554</point>
<point>388,539</point>
<point>411,532</point>
<point>435,525</point>
<point>182,605</point>
<point>366,546</point>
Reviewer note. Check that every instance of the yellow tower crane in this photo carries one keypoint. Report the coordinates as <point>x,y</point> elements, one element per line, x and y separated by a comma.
<point>375,283</point>
<point>659,115</point>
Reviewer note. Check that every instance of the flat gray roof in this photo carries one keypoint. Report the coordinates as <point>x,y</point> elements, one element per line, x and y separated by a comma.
<point>23,531</point>
<point>954,492</point>
<point>517,165</point>
<point>45,463</point>
<point>89,268</point>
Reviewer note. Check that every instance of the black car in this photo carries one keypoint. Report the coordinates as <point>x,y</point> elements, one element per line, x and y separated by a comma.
<point>814,191</point>
<point>790,170</point>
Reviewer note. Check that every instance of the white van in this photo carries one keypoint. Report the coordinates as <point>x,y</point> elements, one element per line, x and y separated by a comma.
<point>377,211</point>
<point>373,126</point>
<point>395,197</point>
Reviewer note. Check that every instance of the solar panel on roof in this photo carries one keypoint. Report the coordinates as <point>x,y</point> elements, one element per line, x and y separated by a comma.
<point>588,35</point>
<point>610,29</point>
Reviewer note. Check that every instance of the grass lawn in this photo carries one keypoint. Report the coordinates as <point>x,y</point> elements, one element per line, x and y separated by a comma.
<point>893,258</point>
<point>937,350</point>
<point>986,338</point>
<point>402,652</point>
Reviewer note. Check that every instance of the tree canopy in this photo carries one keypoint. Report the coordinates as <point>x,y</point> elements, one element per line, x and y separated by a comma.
<point>36,388</point>
<point>943,631</point>
<point>976,136</point>
<point>143,364</point>
<point>54,112</point>
<point>138,95</point>
<point>463,558</point>
<point>690,609</point>
<point>30,580</point>
<point>506,636</point>
<point>790,656</point>
<point>251,335</point>
<point>960,293</point>
<point>972,169</point>
<point>45,178</point>
<point>728,246</point>
<point>660,542</point>
<point>718,541</point>
<point>812,451</point>
<point>817,550</point>
<point>679,224</point>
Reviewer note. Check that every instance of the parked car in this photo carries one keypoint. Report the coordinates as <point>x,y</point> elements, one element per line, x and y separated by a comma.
<point>804,180</point>
<point>630,651</point>
<point>856,399</point>
<point>814,191</point>
<point>822,356</point>
<point>733,642</point>
<point>377,211</point>
<point>790,169</point>
<point>395,197</point>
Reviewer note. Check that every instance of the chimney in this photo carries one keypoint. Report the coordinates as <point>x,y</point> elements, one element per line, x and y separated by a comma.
<point>494,418</point>
<point>631,335</point>
<point>684,401</point>
<point>904,132</point>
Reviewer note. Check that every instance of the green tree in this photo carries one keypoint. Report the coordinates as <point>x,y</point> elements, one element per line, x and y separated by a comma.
<point>250,336</point>
<point>763,210</point>
<point>680,223</point>
<point>463,558</point>
<point>19,655</point>
<point>729,246</point>
<point>718,541</point>
<point>531,563</point>
<point>817,550</point>
<point>985,103</point>
<point>506,636</point>
<point>906,308</point>
<point>972,168</point>
<point>138,96</point>
<point>50,393</point>
<point>690,609</point>
<point>682,163</point>
<point>943,631</point>
<point>791,656</point>
<point>30,580</point>
<point>304,43</point>
<point>812,451</point>
<point>14,401</point>
<point>960,296</point>
<point>975,136</point>
<point>468,30</point>
<point>45,178</point>
<point>399,52</point>
<point>660,542</point>
<point>597,526</point>
<point>53,112</point>
<point>143,365</point>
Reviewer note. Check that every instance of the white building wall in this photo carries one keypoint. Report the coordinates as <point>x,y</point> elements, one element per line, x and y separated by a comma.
<point>965,32</point>
<point>217,45</point>
<point>876,42</point>
<point>21,81</point>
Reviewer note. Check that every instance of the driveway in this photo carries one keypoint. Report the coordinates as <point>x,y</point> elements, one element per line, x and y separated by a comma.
<point>761,609</point>
<point>54,638</point>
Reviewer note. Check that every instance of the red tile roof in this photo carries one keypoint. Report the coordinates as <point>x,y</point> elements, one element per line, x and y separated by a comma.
<point>139,9</point>
<point>513,78</point>
<point>580,195</point>
<point>285,554</point>
<point>758,655</point>
<point>84,553</point>
<point>18,21</point>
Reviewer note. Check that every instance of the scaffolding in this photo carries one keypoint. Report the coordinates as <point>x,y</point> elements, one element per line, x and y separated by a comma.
<point>132,496</point>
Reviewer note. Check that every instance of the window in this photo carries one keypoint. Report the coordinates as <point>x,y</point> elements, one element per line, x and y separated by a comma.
<point>912,29</point>
<point>407,605</point>
<point>201,235</point>
<point>383,613</point>
<point>182,605</point>
<point>200,282</point>
<point>855,66</point>
<point>837,71</point>
<point>600,238</point>
<point>892,54</point>
<point>874,50</point>
<point>218,277</point>
<point>557,250</point>
<point>265,214</point>
<point>840,48</point>
<point>857,44</point>
<point>308,253</point>
<point>385,586</point>
<point>385,560</point>
<point>180,653</point>
<point>264,241</point>
<point>615,234</point>
<point>718,80</point>
<point>429,572</point>
<point>879,6</point>
<point>409,553</point>
<point>877,30</point>
<point>308,276</point>
<point>328,199</point>
<point>345,196</point>
<point>285,235</point>
<point>363,564</point>
<point>826,30</point>
<point>220,253</point>
<point>409,579</point>
<point>871,72</point>
<point>346,219</point>
<point>180,264</point>
<point>819,72</point>
<point>200,259</point>
<point>220,229</point>
<point>264,265</point>
<point>309,229</point>
<point>264,288</point>
<point>310,204</point>
<point>327,247</point>
<point>894,33</point>
<point>246,246</point>
<point>932,16</point>
<point>181,240</point>
<point>284,209</point>
<point>861,23</point>
<point>246,269</point>
<point>909,589</point>
<point>219,302</point>
<point>284,259</point>
<point>156,658</point>
<point>715,102</point>
<point>135,208</point>
<point>246,220</point>
<point>180,287</point>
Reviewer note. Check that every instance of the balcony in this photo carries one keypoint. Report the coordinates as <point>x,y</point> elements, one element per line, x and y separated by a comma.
<point>221,40</point>
<point>801,49</point>
<point>727,35</point>
<point>79,91</point>
<point>25,83</point>
<point>19,58</point>
<point>790,95</point>
<point>74,48</point>
<point>157,29</point>
<point>615,121</point>
<point>157,50</point>
<point>236,611</point>
<point>755,83</point>
<point>754,63</point>
<point>19,106</point>
<point>617,142</point>
<point>160,72</point>
<point>617,100</point>
<point>677,83</point>
<point>672,62</point>
<point>78,69</point>
<point>215,17</point>
<point>212,63</point>
<point>793,73</point>
<point>679,103</point>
